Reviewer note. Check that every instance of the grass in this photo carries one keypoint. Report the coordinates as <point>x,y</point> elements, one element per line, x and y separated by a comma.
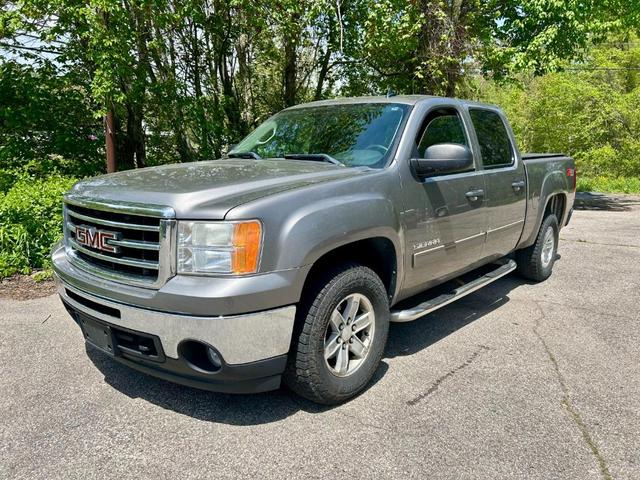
<point>609,184</point>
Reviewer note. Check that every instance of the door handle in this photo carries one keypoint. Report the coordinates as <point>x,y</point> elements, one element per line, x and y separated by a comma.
<point>517,186</point>
<point>474,195</point>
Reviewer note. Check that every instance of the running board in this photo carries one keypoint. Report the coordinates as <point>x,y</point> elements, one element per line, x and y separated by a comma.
<point>413,313</point>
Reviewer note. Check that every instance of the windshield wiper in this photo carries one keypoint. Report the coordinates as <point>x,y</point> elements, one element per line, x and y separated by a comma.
<point>322,157</point>
<point>253,155</point>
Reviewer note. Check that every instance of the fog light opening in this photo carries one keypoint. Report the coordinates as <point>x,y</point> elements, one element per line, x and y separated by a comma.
<point>200,356</point>
<point>214,358</point>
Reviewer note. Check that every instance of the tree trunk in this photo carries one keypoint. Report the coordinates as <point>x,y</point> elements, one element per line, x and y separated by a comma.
<point>231,106</point>
<point>452,80</point>
<point>137,135</point>
<point>291,39</point>
<point>197,86</point>
<point>110,138</point>
<point>125,149</point>
<point>290,64</point>
<point>324,65</point>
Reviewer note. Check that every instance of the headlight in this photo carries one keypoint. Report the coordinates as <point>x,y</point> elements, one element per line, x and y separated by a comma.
<point>219,247</point>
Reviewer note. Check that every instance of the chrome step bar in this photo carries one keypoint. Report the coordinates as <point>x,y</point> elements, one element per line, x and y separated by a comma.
<point>413,313</point>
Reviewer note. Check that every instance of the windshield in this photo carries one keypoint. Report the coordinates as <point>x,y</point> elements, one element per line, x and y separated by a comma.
<point>359,134</point>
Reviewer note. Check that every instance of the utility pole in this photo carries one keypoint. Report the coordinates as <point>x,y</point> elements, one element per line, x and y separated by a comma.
<point>110,139</point>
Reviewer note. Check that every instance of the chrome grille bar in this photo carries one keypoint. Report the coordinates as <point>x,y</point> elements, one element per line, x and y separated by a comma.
<point>121,260</point>
<point>135,244</point>
<point>129,208</point>
<point>125,243</point>
<point>111,223</point>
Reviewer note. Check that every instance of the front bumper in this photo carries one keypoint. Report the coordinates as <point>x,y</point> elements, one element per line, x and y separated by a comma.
<point>253,347</point>
<point>201,296</point>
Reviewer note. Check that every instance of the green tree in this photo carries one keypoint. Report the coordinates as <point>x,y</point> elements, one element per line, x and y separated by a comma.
<point>187,78</point>
<point>589,110</point>
<point>432,46</point>
<point>47,114</point>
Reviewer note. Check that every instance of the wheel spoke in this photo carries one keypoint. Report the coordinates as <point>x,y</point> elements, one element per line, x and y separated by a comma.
<point>362,322</point>
<point>331,346</point>
<point>342,361</point>
<point>548,245</point>
<point>348,334</point>
<point>336,320</point>
<point>357,347</point>
<point>353,303</point>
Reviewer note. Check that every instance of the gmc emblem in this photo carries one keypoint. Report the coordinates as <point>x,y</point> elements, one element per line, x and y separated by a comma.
<point>94,238</point>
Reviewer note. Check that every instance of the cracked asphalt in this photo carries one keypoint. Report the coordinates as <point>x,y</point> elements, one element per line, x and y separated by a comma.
<point>516,381</point>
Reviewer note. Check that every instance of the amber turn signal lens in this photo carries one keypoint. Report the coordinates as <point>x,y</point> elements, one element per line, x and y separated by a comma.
<point>246,242</point>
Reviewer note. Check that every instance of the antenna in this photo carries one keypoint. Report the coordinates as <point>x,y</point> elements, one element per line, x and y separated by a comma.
<point>391,93</point>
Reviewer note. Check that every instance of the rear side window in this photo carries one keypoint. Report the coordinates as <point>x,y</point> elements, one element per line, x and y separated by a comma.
<point>495,145</point>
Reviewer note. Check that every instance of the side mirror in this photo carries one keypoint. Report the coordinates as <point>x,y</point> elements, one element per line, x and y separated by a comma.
<point>230,147</point>
<point>443,158</point>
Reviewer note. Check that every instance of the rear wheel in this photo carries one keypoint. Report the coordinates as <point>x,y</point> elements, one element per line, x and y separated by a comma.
<point>341,335</point>
<point>536,262</point>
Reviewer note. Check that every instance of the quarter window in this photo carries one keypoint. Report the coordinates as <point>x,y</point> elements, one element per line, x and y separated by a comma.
<point>495,145</point>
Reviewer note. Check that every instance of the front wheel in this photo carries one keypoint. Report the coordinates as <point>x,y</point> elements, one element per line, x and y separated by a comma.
<point>341,336</point>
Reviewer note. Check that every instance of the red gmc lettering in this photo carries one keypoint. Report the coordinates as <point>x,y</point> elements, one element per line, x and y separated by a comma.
<point>90,237</point>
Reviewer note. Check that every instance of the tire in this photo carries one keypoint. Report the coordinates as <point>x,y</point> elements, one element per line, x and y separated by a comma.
<point>536,262</point>
<point>334,380</point>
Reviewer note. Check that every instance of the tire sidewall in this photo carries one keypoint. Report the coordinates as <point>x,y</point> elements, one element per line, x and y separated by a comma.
<point>345,285</point>
<point>549,223</point>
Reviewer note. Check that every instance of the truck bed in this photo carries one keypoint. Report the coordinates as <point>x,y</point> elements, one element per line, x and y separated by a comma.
<point>537,156</point>
<point>547,175</point>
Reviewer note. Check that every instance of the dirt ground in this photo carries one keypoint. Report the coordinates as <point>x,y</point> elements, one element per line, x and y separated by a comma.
<point>24,287</point>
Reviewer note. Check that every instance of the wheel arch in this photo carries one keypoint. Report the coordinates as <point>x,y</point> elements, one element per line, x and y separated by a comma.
<point>552,197</point>
<point>379,253</point>
<point>555,205</point>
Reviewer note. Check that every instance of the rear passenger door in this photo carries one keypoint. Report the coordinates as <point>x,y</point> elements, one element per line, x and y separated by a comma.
<point>505,182</point>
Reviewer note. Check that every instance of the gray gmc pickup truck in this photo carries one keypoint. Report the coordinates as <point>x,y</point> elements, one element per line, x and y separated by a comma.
<point>287,260</point>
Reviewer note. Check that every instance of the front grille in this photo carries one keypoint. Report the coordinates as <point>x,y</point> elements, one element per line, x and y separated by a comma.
<point>137,241</point>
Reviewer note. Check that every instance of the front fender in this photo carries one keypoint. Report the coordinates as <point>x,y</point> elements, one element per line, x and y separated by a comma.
<point>302,225</point>
<point>316,229</point>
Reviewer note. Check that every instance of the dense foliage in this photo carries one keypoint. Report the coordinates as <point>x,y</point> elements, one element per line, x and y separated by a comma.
<point>184,79</point>
<point>589,110</point>
<point>30,222</point>
<point>187,78</point>
<point>47,115</point>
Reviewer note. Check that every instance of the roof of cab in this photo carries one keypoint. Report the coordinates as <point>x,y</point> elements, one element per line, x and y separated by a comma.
<point>403,99</point>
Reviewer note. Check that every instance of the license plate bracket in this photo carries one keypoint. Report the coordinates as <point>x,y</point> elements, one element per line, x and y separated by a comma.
<point>98,335</point>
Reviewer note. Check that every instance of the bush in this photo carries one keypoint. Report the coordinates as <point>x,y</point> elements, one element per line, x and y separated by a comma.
<point>609,184</point>
<point>30,221</point>
<point>590,113</point>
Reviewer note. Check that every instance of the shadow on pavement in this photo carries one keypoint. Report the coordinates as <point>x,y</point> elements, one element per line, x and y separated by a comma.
<point>404,339</point>
<point>409,338</point>
<point>605,202</point>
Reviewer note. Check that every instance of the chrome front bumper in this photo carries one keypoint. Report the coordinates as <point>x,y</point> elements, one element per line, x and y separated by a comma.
<point>239,339</point>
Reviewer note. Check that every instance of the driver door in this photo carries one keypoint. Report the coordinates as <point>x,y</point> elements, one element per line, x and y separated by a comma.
<point>446,226</point>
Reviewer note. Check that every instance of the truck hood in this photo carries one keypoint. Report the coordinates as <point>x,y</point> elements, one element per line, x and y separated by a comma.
<point>208,190</point>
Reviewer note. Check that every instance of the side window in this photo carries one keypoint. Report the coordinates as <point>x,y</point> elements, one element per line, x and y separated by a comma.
<point>495,145</point>
<point>442,127</point>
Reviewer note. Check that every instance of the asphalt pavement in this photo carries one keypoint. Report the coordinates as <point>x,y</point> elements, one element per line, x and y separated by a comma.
<point>516,381</point>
